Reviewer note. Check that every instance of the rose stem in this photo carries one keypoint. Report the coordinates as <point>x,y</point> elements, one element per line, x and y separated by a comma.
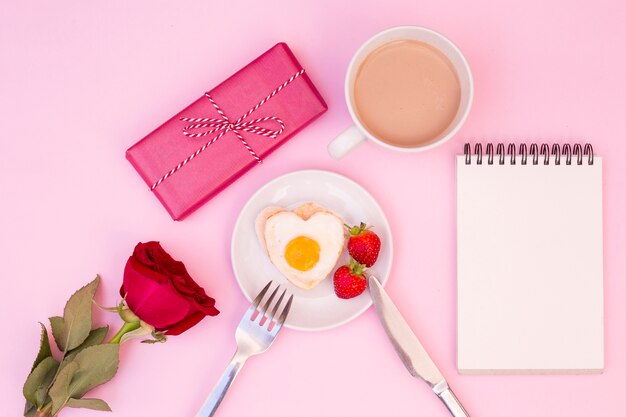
<point>127,327</point>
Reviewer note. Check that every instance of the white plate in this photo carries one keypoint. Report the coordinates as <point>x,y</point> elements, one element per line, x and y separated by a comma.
<point>318,308</point>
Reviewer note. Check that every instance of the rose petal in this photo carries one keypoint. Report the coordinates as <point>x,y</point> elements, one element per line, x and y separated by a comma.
<point>142,254</point>
<point>154,301</point>
<point>197,295</point>
<point>185,324</point>
<point>209,309</point>
<point>161,292</point>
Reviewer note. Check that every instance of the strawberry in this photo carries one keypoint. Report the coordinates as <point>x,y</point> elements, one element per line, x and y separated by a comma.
<point>363,244</point>
<point>349,280</point>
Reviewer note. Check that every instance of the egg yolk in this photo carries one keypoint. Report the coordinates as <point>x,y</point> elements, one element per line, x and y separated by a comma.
<point>302,253</point>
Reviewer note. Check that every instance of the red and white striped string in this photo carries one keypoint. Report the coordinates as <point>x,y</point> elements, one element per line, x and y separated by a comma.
<point>223,125</point>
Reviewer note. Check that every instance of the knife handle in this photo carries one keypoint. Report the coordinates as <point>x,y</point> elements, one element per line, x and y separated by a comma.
<point>452,403</point>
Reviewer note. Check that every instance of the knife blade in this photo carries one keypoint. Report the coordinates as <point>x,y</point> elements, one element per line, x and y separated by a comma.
<point>410,349</point>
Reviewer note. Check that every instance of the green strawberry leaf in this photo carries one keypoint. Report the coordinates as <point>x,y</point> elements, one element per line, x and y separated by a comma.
<point>90,403</point>
<point>77,317</point>
<point>97,365</point>
<point>44,347</point>
<point>60,390</point>
<point>36,386</point>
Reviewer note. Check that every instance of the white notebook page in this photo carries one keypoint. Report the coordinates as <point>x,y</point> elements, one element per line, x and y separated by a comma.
<point>529,267</point>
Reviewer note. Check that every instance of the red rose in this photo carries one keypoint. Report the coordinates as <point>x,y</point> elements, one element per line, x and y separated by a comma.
<point>159,290</point>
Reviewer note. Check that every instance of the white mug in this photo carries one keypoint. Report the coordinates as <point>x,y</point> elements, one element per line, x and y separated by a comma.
<point>356,134</point>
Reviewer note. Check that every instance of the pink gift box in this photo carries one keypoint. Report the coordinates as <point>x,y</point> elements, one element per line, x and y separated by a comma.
<point>219,137</point>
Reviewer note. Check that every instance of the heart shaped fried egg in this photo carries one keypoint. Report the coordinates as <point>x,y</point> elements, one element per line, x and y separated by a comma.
<point>303,244</point>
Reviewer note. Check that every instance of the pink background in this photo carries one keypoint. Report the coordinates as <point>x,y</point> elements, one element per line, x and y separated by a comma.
<point>80,82</point>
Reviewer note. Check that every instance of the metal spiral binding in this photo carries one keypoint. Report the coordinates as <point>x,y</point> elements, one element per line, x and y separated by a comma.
<point>534,151</point>
<point>567,151</point>
<point>524,152</point>
<point>489,153</point>
<point>500,152</point>
<point>545,151</point>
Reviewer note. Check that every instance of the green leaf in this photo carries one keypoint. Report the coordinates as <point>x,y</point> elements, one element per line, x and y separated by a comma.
<point>60,390</point>
<point>97,365</point>
<point>44,347</point>
<point>29,409</point>
<point>41,395</point>
<point>57,325</point>
<point>96,336</point>
<point>44,352</point>
<point>77,317</point>
<point>90,403</point>
<point>91,367</point>
<point>36,386</point>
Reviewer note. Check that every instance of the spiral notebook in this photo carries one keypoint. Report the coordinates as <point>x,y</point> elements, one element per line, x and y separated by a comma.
<point>529,259</point>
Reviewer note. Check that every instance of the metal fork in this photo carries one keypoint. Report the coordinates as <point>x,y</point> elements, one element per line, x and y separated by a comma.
<point>255,334</point>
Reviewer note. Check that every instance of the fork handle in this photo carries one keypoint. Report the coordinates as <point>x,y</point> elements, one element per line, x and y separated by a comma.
<point>219,391</point>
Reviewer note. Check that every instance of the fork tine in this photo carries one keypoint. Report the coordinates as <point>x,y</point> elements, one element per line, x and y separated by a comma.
<point>282,318</point>
<point>269,301</point>
<point>258,299</point>
<point>278,303</point>
<point>283,315</point>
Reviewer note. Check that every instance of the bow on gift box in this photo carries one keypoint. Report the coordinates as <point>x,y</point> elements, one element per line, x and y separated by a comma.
<point>224,125</point>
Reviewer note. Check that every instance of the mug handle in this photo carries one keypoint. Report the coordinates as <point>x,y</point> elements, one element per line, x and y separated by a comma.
<point>345,142</point>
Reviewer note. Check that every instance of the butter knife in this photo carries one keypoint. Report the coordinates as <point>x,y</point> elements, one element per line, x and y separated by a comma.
<point>410,350</point>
